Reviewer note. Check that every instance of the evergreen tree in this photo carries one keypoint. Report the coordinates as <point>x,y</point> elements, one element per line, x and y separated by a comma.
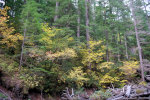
<point>31,19</point>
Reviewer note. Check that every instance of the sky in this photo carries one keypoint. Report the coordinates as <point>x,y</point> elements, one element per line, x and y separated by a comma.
<point>148,7</point>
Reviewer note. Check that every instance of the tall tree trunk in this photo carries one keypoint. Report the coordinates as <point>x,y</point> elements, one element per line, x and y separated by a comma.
<point>22,47</point>
<point>120,49</point>
<point>23,42</point>
<point>94,11</point>
<point>137,39</point>
<point>106,38</point>
<point>94,17</point>
<point>87,21</point>
<point>107,51</point>
<point>78,20</point>
<point>87,26</point>
<point>126,46</point>
<point>118,46</point>
<point>56,11</point>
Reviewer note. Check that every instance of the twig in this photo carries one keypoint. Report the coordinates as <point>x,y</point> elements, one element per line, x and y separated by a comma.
<point>112,85</point>
<point>6,94</point>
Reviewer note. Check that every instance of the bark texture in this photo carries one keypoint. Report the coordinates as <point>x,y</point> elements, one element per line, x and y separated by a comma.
<point>78,20</point>
<point>87,21</point>
<point>56,11</point>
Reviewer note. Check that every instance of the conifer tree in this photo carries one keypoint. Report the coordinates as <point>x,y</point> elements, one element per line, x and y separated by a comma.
<point>31,28</point>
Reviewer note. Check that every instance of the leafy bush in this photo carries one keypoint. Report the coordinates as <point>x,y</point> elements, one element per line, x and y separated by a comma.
<point>77,76</point>
<point>129,68</point>
<point>93,54</point>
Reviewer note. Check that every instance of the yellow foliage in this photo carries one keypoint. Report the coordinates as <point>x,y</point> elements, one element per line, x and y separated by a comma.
<point>143,83</point>
<point>70,39</point>
<point>94,75</point>
<point>9,39</point>
<point>92,44</point>
<point>52,39</point>
<point>35,52</point>
<point>91,55</point>
<point>30,78</point>
<point>31,81</point>
<point>107,65</point>
<point>106,74</point>
<point>64,54</point>
<point>45,38</point>
<point>130,67</point>
<point>48,30</point>
<point>78,76</point>
<point>109,79</point>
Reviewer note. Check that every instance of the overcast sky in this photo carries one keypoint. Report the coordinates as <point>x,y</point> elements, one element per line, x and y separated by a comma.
<point>148,7</point>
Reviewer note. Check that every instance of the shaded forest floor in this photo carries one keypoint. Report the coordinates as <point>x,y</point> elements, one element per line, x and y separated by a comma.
<point>7,91</point>
<point>33,96</point>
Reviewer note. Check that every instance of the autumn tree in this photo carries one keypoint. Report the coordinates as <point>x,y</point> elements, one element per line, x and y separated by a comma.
<point>8,37</point>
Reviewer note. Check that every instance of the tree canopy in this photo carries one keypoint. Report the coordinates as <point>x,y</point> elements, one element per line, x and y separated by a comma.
<point>54,44</point>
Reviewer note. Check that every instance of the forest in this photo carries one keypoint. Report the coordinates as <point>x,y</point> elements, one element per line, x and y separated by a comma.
<point>74,49</point>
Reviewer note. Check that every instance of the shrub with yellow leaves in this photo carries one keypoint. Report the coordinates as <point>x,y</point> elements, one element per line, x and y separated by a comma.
<point>109,79</point>
<point>64,54</point>
<point>30,79</point>
<point>130,67</point>
<point>7,35</point>
<point>107,65</point>
<point>53,38</point>
<point>46,37</point>
<point>93,54</point>
<point>78,76</point>
<point>107,73</point>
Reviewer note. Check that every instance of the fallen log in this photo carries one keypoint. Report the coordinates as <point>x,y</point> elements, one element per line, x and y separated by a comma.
<point>117,96</point>
<point>128,91</point>
<point>131,92</point>
<point>142,94</point>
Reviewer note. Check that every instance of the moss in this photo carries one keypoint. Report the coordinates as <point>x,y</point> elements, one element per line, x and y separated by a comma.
<point>139,91</point>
